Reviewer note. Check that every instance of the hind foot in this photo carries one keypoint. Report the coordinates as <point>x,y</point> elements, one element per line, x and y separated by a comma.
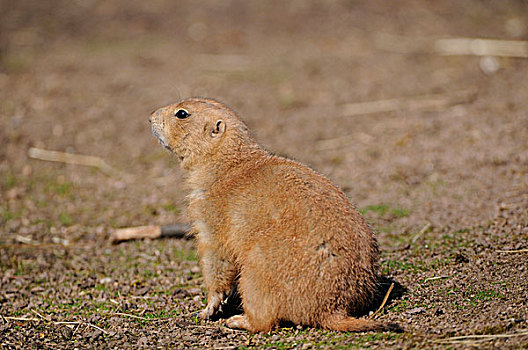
<point>238,322</point>
<point>242,322</point>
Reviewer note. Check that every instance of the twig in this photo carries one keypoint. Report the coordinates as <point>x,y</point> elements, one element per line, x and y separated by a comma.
<point>138,297</point>
<point>523,332</point>
<point>155,320</point>
<point>25,240</point>
<point>153,232</point>
<point>71,325</point>
<point>76,329</point>
<point>482,47</point>
<point>384,301</point>
<point>42,318</point>
<point>512,203</point>
<point>39,315</point>
<point>94,326</point>
<point>217,327</point>
<point>20,318</point>
<point>435,278</point>
<point>39,245</point>
<point>513,251</point>
<point>417,103</point>
<point>421,232</point>
<point>451,46</point>
<point>71,158</point>
<point>128,315</point>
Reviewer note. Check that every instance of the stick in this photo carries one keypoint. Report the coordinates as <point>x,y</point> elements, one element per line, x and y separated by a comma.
<point>422,231</point>
<point>25,240</point>
<point>39,315</point>
<point>70,325</point>
<point>129,315</point>
<point>94,326</point>
<point>513,251</point>
<point>384,300</point>
<point>71,158</point>
<point>42,318</point>
<point>481,47</point>
<point>68,322</point>
<point>152,232</point>
<point>452,46</point>
<point>435,278</point>
<point>20,318</point>
<point>481,336</point>
<point>431,102</point>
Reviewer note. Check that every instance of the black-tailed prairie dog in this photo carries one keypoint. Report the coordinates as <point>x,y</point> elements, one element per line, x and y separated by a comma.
<point>291,241</point>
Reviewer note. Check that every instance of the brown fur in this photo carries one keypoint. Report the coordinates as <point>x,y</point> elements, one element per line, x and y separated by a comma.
<point>293,242</point>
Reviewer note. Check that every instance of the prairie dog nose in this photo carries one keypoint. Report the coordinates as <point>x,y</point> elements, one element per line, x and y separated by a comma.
<point>154,114</point>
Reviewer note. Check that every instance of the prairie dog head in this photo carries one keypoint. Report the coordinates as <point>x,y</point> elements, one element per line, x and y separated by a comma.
<point>196,128</point>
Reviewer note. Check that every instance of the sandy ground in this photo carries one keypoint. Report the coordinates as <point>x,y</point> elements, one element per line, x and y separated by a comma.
<point>444,182</point>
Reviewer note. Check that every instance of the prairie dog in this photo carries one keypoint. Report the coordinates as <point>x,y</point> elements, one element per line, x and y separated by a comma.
<point>290,240</point>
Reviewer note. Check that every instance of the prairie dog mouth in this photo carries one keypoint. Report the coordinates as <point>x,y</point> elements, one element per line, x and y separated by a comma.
<point>160,138</point>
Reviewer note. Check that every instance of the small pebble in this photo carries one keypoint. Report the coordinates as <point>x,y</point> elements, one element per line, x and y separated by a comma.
<point>417,310</point>
<point>489,64</point>
<point>105,280</point>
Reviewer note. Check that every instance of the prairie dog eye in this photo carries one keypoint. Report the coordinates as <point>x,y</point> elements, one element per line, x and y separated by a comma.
<point>181,114</point>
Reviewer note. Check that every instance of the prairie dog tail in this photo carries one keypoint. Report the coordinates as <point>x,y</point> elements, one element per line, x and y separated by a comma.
<point>351,324</point>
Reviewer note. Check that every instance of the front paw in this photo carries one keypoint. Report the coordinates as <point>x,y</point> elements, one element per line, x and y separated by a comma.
<point>214,304</point>
<point>209,311</point>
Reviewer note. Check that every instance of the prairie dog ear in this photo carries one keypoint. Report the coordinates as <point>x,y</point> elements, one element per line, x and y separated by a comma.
<point>218,128</point>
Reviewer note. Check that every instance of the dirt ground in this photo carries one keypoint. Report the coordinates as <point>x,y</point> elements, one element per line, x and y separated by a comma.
<point>446,188</point>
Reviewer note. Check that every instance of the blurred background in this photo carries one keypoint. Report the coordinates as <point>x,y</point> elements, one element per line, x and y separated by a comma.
<point>361,91</point>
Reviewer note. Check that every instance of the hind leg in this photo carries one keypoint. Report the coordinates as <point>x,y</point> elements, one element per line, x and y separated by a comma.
<point>255,320</point>
<point>260,308</point>
<point>254,326</point>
